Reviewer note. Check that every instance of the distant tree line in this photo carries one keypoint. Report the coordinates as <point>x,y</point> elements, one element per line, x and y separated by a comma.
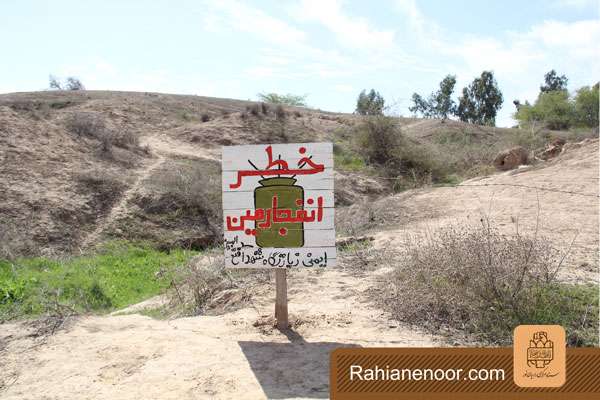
<point>480,101</point>
<point>478,104</point>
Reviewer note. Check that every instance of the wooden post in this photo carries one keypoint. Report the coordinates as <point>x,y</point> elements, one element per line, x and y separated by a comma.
<point>281,305</point>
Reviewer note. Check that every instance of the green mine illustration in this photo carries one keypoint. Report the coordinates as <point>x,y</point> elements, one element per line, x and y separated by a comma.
<point>289,197</point>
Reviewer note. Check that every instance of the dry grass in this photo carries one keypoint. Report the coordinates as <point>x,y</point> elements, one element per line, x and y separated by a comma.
<point>483,283</point>
<point>93,126</point>
<point>105,186</point>
<point>280,113</point>
<point>204,286</point>
<point>190,188</point>
<point>13,242</point>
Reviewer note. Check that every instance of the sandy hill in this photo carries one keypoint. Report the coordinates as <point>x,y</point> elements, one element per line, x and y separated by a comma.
<point>60,190</point>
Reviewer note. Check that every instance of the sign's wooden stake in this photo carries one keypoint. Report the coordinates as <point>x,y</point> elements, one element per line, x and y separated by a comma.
<point>281,304</point>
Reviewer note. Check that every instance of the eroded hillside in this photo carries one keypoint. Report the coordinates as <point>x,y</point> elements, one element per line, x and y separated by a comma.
<point>81,167</point>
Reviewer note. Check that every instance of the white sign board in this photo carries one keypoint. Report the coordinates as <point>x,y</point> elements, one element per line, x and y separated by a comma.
<point>278,206</point>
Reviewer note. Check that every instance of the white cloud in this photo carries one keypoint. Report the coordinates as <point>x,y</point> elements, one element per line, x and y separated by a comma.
<point>578,4</point>
<point>239,16</point>
<point>351,32</point>
<point>580,38</point>
<point>518,59</point>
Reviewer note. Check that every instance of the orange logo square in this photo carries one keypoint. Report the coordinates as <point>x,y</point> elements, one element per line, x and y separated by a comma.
<point>540,356</point>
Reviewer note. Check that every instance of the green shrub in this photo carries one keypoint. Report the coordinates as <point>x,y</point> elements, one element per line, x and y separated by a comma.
<point>382,144</point>
<point>586,106</point>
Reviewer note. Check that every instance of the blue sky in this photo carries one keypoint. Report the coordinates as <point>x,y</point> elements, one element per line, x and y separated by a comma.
<point>328,50</point>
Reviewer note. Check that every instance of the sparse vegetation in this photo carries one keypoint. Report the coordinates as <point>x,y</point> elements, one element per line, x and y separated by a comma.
<point>264,107</point>
<point>346,159</point>
<point>382,144</point>
<point>183,205</point>
<point>476,280</point>
<point>203,285</point>
<point>253,109</point>
<point>93,126</point>
<point>284,99</point>
<point>280,113</point>
<point>119,275</point>
<point>105,185</point>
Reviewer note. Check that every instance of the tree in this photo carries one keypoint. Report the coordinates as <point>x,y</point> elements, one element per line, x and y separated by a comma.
<point>480,100</point>
<point>74,84</point>
<point>420,106</point>
<point>54,83</point>
<point>586,106</point>
<point>440,103</point>
<point>553,82</point>
<point>370,104</point>
<point>284,99</point>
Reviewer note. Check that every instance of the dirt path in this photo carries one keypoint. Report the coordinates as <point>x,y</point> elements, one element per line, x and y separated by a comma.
<point>120,209</point>
<point>161,147</point>
<point>234,356</point>
<point>168,146</point>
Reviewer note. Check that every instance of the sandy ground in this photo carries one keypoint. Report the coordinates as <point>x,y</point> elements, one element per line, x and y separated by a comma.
<point>563,192</point>
<point>235,356</point>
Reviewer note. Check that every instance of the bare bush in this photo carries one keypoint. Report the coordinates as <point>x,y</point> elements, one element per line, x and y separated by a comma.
<point>105,186</point>
<point>360,255</point>
<point>205,285</point>
<point>127,139</point>
<point>93,126</point>
<point>280,113</point>
<point>190,189</point>
<point>479,281</point>
<point>55,316</point>
<point>264,107</point>
<point>85,124</point>
<point>253,109</point>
